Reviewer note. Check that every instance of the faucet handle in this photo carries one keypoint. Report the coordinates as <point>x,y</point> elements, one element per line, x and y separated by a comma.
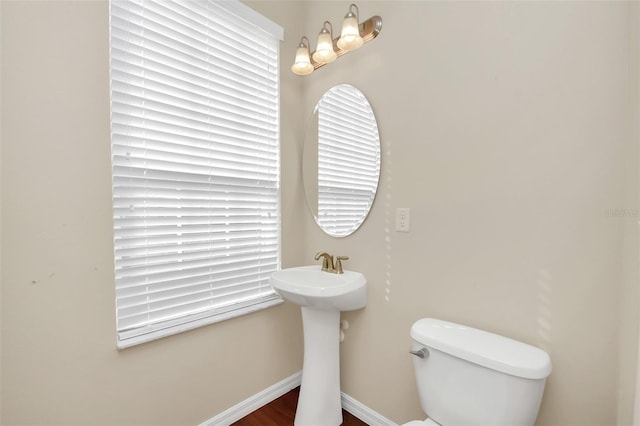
<point>339,260</point>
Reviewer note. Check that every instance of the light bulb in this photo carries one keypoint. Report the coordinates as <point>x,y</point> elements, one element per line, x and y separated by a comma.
<point>324,48</point>
<point>302,64</point>
<point>350,38</point>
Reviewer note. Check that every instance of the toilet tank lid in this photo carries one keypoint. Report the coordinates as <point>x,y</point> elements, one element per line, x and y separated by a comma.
<point>483,348</point>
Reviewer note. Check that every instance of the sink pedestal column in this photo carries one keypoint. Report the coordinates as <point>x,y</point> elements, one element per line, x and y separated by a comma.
<point>319,403</point>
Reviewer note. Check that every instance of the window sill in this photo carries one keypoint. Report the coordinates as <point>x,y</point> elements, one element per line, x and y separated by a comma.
<point>169,330</point>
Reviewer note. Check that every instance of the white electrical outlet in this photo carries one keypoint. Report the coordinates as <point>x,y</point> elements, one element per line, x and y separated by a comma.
<point>402,219</point>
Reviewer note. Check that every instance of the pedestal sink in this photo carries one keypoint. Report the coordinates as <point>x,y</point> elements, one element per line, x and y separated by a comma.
<point>321,296</point>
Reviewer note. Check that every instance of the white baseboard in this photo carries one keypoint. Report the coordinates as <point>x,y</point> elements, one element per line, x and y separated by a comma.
<point>254,402</point>
<point>264,397</point>
<point>364,413</point>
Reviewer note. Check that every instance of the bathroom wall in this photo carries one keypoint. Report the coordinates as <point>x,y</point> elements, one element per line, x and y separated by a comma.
<point>507,128</point>
<point>59,360</point>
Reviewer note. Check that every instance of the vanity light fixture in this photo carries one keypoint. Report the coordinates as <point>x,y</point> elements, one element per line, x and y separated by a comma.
<point>302,65</point>
<point>324,47</point>
<point>353,36</point>
<point>350,38</point>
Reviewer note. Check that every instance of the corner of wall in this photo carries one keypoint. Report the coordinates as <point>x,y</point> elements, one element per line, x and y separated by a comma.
<point>628,378</point>
<point>1,50</point>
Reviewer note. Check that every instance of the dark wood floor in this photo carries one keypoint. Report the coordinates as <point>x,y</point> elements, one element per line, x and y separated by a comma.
<point>282,411</point>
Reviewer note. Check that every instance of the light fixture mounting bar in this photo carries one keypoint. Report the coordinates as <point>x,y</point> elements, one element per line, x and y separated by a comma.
<point>369,30</point>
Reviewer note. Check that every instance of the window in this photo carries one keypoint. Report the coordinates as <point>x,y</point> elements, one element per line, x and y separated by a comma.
<point>195,163</point>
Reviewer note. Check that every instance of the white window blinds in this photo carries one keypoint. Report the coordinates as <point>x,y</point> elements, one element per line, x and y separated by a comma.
<point>195,154</point>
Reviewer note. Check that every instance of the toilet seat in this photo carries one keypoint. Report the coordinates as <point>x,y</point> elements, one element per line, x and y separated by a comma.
<point>427,422</point>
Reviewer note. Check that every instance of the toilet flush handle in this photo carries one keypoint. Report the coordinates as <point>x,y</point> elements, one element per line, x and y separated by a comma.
<point>422,353</point>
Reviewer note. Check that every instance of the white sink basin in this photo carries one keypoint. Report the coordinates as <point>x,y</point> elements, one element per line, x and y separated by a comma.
<point>309,286</point>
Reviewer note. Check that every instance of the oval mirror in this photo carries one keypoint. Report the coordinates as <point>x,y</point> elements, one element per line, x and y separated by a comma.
<point>341,160</point>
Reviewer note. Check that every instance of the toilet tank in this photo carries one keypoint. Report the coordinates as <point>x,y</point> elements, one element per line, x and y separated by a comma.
<point>473,377</point>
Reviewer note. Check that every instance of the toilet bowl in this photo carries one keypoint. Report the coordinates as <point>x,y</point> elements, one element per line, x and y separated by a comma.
<point>427,422</point>
<point>467,376</point>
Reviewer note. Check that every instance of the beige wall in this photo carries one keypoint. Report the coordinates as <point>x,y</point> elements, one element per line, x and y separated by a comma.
<point>59,360</point>
<point>506,127</point>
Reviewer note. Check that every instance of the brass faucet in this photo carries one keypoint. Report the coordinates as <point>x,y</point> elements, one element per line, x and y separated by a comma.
<point>327,262</point>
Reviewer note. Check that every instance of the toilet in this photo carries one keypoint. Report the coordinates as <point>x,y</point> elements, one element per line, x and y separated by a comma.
<point>470,377</point>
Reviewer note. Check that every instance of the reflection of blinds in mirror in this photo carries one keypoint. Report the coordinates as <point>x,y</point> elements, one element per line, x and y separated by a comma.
<point>348,160</point>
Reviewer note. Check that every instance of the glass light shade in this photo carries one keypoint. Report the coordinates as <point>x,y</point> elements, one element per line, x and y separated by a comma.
<point>350,38</point>
<point>324,48</point>
<point>302,64</point>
